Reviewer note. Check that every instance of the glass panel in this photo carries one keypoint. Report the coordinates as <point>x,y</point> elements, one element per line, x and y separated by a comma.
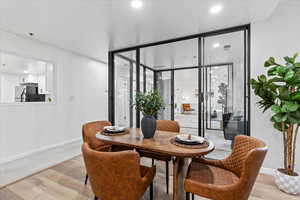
<point>133,95</point>
<point>125,87</point>
<point>186,100</point>
<point>224,88</point>
<point>122,91</point>
<point>141,79</point>
<point>219,94</point>
<point>164,86</point>
<point>149,80</point>
<point>179,54</point>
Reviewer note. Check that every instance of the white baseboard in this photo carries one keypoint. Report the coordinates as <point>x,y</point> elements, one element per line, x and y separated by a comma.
<point>26,164</point>
<point>268,171</point>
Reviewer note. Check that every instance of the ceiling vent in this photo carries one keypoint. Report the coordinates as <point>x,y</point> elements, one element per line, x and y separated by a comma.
<point>227,47</point>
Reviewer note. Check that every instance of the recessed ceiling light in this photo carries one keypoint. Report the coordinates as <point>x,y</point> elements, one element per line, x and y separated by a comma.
<point>136,4</point>
<point>216,45</point>
<point>25,72</point>
<point>216,9</point>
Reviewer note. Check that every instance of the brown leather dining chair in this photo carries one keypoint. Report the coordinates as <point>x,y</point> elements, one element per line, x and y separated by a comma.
<point>89,131</point>
<point>117,175</point>
<point>163,125</point>
<point>231,178</point>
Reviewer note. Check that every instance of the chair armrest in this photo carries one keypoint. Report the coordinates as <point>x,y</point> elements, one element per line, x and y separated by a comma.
<point>104,148</point>
<point>149,176</point>
<point>217,163</point>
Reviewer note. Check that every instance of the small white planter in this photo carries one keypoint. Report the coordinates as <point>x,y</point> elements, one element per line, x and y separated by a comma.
<point>286,183</point>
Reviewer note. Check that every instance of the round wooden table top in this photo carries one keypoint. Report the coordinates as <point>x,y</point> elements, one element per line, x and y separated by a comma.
<point>160,143</point>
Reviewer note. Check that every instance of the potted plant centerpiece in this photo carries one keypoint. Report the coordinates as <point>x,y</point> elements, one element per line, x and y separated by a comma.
<point>149,104</point>
<point>280,92</point>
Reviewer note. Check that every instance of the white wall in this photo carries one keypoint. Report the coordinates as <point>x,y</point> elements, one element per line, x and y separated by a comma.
<point>36,136</point>
<point>7,87</point>
<point>277,36</point>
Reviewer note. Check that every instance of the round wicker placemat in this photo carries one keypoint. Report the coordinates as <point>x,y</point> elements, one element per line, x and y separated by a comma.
<point>115,134</point>
<point>205,144</point>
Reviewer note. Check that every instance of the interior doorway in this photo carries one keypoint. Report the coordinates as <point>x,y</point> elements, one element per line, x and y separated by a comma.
<point>203,78</point>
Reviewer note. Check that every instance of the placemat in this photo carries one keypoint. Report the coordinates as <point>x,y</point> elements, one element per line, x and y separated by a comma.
<point>115,134</point>
<point>205,144</point>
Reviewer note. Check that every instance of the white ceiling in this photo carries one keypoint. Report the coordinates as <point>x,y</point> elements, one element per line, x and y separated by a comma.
<point>92,27</point>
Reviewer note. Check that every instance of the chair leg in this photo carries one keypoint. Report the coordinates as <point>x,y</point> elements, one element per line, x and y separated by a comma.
<point>152,162</point>
<point>86,179</point>
<point>96,198</point>
<point>151,191</point>
<point>167,176</point>
<point>187,196</point>
<point>193,196</point>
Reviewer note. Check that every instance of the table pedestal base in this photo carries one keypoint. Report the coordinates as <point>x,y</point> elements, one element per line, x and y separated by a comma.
<point>180,166</point>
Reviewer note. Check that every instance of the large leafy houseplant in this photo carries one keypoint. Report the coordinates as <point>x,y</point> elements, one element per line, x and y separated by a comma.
<point>280,92</point>
<point>150,104</point>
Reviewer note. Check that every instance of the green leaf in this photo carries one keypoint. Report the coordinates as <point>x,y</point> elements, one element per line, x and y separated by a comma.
<point>253,81</point>
<point>295,56</point>
<point>277,126</point>
<point>284,93</point>
<point>262,78</point>
<point>290,106</point>
<point>279,117</point>
<point>297,64</point>
<point>288,59</point>
<point>276,79</point>
<point>276,108</point>
<point>293,119</point>
<point>289,75</point>
<point>296,96</point>
<point>270,62</point>
<point>272,71</point>
<point>281,70</point>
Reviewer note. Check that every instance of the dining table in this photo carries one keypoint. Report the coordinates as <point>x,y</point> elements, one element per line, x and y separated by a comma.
<point>160,144</point>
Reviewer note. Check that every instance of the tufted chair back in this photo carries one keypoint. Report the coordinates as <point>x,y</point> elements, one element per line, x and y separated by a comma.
<point>89,131</point>
<point>114,175</point>
<point>168,125</point>
<point>243,149</point>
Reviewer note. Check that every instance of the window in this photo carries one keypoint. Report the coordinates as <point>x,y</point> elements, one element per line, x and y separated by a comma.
<point>25,79</point>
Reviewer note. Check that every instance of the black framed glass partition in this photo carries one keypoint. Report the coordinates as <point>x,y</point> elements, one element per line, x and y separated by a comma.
<point>203,78</point>
<point>219,94</point>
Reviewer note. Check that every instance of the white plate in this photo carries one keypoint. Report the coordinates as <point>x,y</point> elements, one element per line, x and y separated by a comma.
<point>185,138</point>
<point>114,128</point>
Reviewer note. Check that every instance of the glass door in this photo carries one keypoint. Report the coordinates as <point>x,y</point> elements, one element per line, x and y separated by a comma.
<point>164,85</point>
<point>219,94</point>
<point>125,89</point>
<point>186,96</point>
<point>224,84</point>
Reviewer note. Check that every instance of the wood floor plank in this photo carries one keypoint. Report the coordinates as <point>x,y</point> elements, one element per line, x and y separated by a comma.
<point>66,182</point>
<point>5,193</point>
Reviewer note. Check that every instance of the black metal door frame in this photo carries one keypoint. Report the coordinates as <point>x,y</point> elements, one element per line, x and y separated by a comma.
<point>201,40</point>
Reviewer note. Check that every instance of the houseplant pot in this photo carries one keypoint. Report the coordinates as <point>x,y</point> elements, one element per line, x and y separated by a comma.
<point>280,91</point>
<point>287,183</point>
<point>149,104</point>
<point>148,126</point>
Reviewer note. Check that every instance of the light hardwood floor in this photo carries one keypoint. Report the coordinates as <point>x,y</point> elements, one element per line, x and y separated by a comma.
<point>65,182</point>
